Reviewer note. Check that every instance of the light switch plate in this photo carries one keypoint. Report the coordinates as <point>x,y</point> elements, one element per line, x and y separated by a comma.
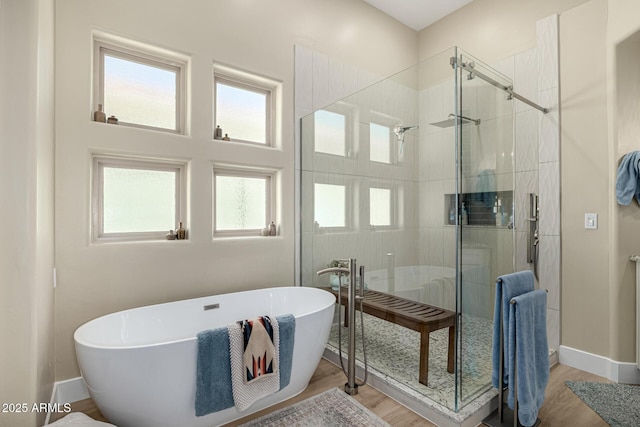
<point>591,221</point>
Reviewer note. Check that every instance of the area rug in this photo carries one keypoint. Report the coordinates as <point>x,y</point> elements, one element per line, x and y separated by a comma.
<point>331,408</point>
<point>617,404</point>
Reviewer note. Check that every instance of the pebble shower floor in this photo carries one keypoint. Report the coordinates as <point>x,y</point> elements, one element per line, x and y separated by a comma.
<point>394,352</point>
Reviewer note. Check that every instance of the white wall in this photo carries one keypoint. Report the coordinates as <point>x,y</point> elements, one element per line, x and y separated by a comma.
<point>252,35</point>
<point>26,187</point>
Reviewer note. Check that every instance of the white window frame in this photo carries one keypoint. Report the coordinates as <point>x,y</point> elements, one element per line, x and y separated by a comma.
<point>390,122</point>
<point>99,162</point>
<point>347,111</point>
<point>350,197</point>
<point>390,146</point>
<point>134,52</point>
<point>253,83</point>
<point>270,213</point>
<point>394,202</point>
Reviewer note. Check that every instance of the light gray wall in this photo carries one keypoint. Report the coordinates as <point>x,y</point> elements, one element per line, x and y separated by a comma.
<point>26,187</point>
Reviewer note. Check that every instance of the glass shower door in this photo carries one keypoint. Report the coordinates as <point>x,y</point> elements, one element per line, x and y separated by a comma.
<point>413,177</point>
<point>486,154</point>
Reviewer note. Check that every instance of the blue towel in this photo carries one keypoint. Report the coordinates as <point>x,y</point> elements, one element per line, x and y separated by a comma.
<point>628,175</point>
<point>213,382</point>
<point>507,287</point>
<point>486,188</point>
<point>528,338</point>
<point>213,367</point>
<point>287,325</point>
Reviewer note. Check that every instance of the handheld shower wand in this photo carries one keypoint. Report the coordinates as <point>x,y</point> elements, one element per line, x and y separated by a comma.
<point>399,131</point>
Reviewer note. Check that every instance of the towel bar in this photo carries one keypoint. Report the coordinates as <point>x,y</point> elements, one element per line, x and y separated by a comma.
<point>505,416</point>
<point>513,302</point>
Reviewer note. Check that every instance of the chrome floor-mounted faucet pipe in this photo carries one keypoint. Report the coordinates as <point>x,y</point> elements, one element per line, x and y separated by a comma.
<point>351,387</point>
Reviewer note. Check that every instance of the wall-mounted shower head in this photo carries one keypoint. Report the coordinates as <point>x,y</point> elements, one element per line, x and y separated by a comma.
<point>399,131</point>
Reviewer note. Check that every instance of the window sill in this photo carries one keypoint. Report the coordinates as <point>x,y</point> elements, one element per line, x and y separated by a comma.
<point>101,242</point>
<point>229,238</point>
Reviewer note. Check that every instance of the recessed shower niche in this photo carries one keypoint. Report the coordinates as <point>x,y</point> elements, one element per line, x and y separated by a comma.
<point>488,208</point>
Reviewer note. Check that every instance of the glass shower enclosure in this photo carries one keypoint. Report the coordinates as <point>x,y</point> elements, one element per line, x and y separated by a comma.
<point>413,177</point>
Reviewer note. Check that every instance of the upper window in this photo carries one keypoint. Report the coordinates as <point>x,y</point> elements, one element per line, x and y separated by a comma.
<point>379,143</point>
<point>137,199</point>
<point>139,88</point>
<point>242,111</point>
<point>330,133</point>
<point>245,107</point>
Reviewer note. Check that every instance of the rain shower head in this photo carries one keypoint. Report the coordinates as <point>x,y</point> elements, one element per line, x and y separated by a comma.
<point>451,121</point>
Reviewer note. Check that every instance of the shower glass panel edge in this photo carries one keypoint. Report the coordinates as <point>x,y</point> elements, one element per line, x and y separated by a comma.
<point>486,245</point>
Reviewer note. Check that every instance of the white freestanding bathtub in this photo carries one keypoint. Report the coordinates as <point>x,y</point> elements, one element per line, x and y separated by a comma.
<point>140,364</point>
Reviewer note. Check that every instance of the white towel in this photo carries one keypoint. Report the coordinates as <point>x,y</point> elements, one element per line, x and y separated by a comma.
<point>245,394</point>
<point>78,419</point>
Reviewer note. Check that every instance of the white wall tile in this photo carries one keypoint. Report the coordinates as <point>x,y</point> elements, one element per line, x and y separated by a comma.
<point>505,66</point>
<point>435,156</point>
<point>435,106</point>
<point>336,80</point>
<point>521,250</point>
<point>303,81</point>
<point>549,179</point>
<point>549,269</point>
<point>553,329</point>
<point>547,44</point>
<point>549,126</point>
<point>350,82</point>
<point>526,182</point>
<point>525,79</point>
<point>526,140</point>
<point>320,96</point>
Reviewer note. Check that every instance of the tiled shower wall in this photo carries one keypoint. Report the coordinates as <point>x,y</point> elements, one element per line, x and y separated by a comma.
<point>535,75</point>
<point>320,81</point>
<point>323,83</point>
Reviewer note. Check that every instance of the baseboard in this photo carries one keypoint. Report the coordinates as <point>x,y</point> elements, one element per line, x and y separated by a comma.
<point>72,390</point>
<point>619,372</point>
<point>67,391</point>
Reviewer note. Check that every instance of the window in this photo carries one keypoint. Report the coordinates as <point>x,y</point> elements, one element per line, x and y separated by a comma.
<point>241,112</point>
<point>380,207</point>
<point>330,133</point>
<point>242,201</point>
<point>246,106</point>
<point>329,203</point>
<point>136,199</point>
<point>379,143</point>
<point>140,88</point>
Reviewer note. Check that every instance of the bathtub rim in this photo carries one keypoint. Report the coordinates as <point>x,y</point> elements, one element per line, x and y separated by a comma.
<point>330,300</point>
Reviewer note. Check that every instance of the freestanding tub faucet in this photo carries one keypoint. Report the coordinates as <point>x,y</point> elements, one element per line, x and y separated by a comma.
<point>351,387</point>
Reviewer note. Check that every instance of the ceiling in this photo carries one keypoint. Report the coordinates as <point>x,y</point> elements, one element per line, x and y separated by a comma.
<point>418,14</point>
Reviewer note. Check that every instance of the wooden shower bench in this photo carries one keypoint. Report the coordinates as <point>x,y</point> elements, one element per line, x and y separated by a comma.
<point>410,314</point>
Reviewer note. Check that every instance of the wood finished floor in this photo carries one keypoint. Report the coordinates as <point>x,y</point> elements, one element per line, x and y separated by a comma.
<point>561,407</point>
